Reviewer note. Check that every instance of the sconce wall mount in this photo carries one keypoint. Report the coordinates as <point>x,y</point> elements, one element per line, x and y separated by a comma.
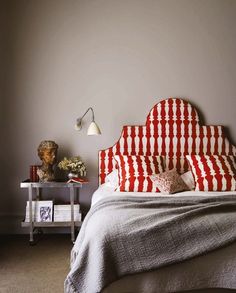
<point>93,128</point>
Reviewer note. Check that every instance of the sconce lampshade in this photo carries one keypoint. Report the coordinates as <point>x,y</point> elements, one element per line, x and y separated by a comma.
<point>93,129</point>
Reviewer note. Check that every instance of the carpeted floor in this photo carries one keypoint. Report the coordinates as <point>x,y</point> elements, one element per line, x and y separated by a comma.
<point>41,268</point>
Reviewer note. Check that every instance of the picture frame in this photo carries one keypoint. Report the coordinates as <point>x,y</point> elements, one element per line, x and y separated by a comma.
<point>44,211</point>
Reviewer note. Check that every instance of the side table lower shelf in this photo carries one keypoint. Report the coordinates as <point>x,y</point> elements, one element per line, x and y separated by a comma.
<point>72,225</point>
<point>51,224</point>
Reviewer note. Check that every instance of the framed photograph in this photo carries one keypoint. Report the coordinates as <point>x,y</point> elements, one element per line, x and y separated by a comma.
<point>44,211</point>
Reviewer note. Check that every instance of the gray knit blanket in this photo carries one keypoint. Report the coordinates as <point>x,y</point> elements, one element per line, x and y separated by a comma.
<point>127,235</point>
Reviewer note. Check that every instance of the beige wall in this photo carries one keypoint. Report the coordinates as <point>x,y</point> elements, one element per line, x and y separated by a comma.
<point>120,57</point>
<point>3,65</point>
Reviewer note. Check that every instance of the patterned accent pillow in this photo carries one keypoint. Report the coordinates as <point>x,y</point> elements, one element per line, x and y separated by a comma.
<point>169,182</point>
<point>135,171</point>
<point>213,172</point>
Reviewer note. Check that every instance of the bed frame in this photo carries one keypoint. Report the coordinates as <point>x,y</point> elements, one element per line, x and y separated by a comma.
<point>172,130</point>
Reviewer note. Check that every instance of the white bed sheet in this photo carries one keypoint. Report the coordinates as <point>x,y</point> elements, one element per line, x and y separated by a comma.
<point>106,189</point>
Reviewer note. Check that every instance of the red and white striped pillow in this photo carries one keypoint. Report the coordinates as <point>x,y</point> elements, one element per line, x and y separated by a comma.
<point>134,172</point>
<point>213,172</point>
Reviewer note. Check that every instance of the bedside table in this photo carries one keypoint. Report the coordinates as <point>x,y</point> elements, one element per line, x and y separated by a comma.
<point>35,188</point>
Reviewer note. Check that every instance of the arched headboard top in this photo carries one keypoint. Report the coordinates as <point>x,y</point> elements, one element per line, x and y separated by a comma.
<point>172,109</point>
<point>172,130</point>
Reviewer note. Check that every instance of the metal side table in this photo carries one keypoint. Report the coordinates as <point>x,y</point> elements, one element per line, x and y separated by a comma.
<point>34,190</point>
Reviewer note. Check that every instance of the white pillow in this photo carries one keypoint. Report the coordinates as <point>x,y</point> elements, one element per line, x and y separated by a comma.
<point>188,180</point>
<point>113,178</point>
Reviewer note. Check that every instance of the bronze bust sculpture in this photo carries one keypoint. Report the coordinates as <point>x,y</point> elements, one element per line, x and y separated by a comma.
<point>47,152</point>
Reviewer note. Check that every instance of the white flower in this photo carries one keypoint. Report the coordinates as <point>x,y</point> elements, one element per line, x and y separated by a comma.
<point>73,164</point>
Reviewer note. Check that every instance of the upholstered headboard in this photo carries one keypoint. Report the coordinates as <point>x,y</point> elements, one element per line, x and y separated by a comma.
<point>172,130</point>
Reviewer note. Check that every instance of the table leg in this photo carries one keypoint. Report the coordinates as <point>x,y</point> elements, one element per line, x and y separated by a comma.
<point>72,198</point>
<point>31,215</point>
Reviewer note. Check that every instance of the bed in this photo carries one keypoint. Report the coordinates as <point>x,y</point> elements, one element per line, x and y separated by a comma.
<point>136,241</point>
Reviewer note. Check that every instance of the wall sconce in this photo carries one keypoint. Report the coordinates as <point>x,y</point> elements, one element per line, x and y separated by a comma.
<point>93,127</point>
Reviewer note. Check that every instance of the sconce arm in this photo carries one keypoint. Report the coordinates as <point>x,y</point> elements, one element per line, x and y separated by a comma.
<point>78,125</point>
<point>90,108</point>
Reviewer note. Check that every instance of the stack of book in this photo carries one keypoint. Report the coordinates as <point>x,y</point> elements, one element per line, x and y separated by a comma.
<point>62,213</point>
<point>44,211</point>
<point>33,211</point>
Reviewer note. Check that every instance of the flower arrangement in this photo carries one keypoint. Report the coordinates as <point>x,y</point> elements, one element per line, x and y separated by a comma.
<point>73,165</point>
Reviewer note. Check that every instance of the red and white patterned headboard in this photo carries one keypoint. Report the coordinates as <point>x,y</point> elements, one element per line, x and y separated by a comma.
<point>172,130</point>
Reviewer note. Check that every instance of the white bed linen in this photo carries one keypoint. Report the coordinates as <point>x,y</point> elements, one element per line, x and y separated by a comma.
<point>106,189</point>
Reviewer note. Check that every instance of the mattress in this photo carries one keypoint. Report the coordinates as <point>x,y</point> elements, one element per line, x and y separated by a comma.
<point>106,189</point>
